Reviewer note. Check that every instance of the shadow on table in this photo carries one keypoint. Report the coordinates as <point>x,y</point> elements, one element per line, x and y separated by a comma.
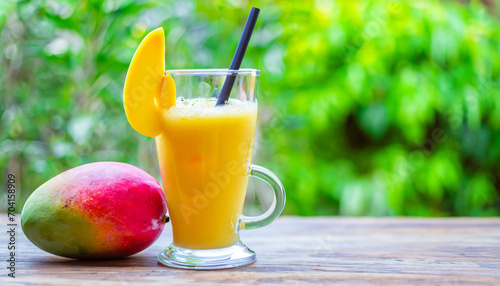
<point>138,260</point>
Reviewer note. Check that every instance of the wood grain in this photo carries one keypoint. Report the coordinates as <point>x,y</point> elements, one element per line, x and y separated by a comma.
<point>295,250</point>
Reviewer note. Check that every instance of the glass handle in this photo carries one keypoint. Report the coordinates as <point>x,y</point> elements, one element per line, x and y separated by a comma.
<point>251,222</point>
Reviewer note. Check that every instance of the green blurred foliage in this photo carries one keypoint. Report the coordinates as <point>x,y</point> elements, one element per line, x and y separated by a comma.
<point>366,107</point>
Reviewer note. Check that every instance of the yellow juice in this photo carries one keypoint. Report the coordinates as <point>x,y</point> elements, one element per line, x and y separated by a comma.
<point>204,153</point>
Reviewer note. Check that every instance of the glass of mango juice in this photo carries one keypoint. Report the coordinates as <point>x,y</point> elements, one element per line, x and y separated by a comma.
<point>205,154</point>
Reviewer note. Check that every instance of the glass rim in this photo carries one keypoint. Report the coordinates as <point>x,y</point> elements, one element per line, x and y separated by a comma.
<point>244,72</point>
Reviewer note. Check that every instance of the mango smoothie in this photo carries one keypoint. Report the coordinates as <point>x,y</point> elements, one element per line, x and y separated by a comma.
<point>204,122</point>
<point>204,152</point>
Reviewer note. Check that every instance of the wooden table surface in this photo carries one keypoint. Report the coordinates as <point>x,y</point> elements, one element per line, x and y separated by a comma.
<point>296,250</point>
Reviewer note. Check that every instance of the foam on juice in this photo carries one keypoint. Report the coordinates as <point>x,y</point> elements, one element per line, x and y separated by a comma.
<point>205,107</point>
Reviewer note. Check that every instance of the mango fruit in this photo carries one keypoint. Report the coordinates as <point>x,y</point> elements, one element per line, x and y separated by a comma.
<point>103,210</point>
<point>148,88</point>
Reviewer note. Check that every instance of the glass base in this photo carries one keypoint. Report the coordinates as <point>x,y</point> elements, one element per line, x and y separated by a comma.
<point>233,256</point>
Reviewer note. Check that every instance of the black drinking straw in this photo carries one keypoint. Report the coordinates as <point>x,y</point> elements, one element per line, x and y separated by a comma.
<point>238,56</point>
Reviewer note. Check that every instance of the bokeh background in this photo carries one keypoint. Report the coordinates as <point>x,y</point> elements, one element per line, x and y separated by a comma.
<point>366,107</point>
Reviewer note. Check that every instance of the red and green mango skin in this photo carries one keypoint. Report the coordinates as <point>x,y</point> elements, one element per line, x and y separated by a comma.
<point>102,210</point>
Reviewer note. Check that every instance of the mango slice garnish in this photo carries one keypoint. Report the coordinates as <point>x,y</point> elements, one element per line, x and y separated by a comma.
<point>167,97</point>
<point>147,87</point>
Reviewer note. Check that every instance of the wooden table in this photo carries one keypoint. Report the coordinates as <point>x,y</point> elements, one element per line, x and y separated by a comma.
<point>296,250</point>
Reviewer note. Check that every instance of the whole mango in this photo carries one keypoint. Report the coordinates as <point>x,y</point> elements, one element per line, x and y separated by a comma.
<point>103,210</point>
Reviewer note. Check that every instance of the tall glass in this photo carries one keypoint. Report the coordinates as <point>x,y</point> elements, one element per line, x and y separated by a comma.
<point>205,156</point>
